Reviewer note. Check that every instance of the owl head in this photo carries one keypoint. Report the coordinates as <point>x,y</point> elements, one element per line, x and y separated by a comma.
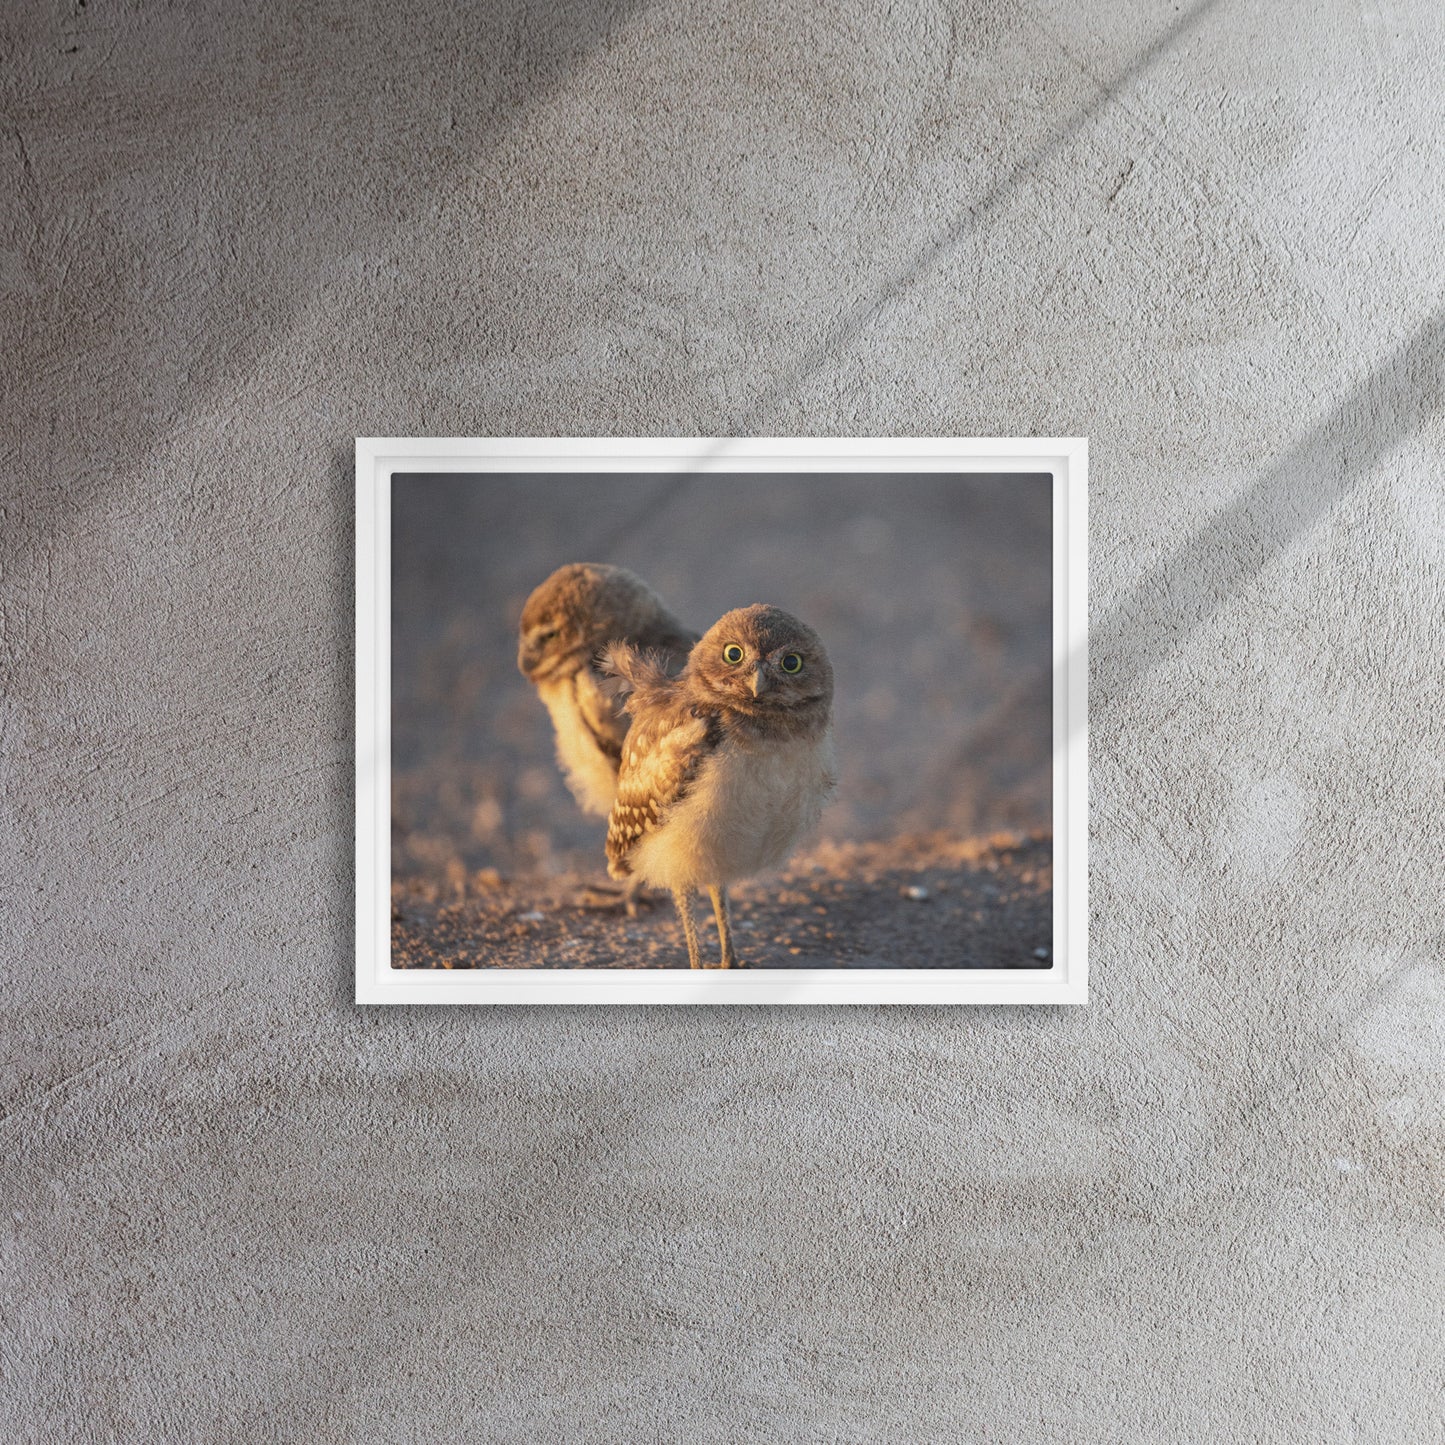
<point>576,612</point>
<point>766,669</point>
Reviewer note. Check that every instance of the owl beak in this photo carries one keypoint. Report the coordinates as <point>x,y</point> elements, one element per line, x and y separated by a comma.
<point>759,682</point>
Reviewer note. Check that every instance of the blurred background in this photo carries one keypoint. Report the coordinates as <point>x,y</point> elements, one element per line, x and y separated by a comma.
<point>932,593</point>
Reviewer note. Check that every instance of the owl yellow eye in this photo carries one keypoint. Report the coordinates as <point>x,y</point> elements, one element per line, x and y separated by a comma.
<point>732,653</point>
<point>792,663</point>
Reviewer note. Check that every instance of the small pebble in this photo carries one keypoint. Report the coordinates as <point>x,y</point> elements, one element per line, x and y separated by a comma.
<point>531,916</point>
<point>917,893</point>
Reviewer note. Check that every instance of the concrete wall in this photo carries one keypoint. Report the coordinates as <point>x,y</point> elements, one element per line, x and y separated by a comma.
<point>1206,235</point>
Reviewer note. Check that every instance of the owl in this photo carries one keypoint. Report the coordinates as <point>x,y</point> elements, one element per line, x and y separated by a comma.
<point>566,624</point>
<point>726,766</point>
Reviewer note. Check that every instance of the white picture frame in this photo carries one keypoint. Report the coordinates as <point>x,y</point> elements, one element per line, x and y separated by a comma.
<point>1064,981</point>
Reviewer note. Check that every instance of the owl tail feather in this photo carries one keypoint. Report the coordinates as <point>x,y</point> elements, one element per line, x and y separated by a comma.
<point>639,678</point>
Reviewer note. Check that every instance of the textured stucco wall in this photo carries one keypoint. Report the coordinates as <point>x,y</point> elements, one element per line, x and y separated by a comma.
<point>1207,236</point>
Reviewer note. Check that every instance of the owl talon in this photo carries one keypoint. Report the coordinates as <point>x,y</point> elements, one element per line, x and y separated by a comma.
<point>597,900</point>
<point>613,898</point>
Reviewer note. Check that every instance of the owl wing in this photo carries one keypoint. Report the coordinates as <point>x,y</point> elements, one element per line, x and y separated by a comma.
<point>667,640</point>
<point>601,715</point>
<point>659,762</point>
<point>598,703</point>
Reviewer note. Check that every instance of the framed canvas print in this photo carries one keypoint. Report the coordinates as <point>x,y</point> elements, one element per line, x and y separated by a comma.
<point>721,721</point>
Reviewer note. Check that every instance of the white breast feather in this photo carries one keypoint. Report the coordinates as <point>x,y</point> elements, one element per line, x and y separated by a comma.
<point>588,770</point>
<point>746,809</point>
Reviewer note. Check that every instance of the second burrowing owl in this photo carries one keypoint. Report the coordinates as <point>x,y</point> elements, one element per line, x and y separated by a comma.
<point>725,767</point>
<point>566,623</point>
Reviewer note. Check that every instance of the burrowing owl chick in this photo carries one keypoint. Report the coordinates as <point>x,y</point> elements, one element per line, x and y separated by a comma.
<point>565,624</point>
<point>726,767</point>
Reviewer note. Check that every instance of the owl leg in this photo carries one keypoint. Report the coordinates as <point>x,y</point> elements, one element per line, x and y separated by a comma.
<point>724,932</point>
<point>683,898</point>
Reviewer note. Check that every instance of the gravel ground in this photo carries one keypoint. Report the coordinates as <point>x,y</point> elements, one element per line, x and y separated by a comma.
<point>919,902</point>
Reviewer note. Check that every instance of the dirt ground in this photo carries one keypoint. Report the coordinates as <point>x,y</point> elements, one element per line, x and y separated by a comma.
<point>924,902</point>
<point>934,598</point>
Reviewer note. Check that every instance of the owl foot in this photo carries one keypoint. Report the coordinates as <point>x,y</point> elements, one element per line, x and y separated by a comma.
<point>613,898</point>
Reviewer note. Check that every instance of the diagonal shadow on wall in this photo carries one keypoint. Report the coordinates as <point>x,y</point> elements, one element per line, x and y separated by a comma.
<point>176,224</point>
<point>864,313</point>
<point>1179,594</point>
